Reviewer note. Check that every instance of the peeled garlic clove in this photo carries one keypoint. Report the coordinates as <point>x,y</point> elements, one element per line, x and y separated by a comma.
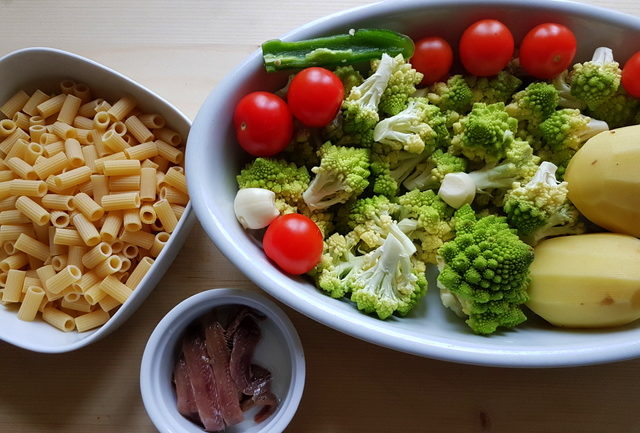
<point>255,208</point>
<point>457,189</point>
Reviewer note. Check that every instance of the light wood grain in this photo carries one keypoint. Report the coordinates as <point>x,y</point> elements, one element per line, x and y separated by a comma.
<point>182,49</point>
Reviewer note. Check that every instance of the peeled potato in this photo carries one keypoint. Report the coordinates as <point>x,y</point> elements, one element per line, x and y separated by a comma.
<point>590,280</point>
<point>604,180</point>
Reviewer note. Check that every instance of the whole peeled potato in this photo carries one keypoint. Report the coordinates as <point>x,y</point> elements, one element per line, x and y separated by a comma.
<point>590,280</point>
<point>604,180</point>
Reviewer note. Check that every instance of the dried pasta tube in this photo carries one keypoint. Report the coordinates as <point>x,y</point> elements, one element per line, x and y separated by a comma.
<point>66,86</point>
<point>13,216</point>
<point>88,207</point>
<point>91,320</point>
<point>169,152</point>
<point>58,202</point>
<point>15,261</point>
<point>53,165</point>
<point>21,168</point>
<point>64,130</point>
<point>139,272</point>
<point>147,184</point>
<point>121,201</point>
<point>11,139</point>
<point>147,214</point>
<point>33,152</point>
<point>122,107</point>
<point>142,151</point>
<point>121,167</point>
<point>75,256</point>
<point>172,195</point>
<point>14,104</point>
<point>131,220</point>
<point>101,121</point>
<point>152,121</point>
<point>13,286</point>
<point>88,280</point>
<point>124,183</point>
<point>69,109</point>
<point>138,129</point>
<point>32,247</point>
<point>44,273</point>
<point>67,237</point>
<point>113,141</point>
<point>94,294</point>
<point>31,303</point>
<point>86,230</point>
<point>81,122</point>
<point>72,178</point>
<point>176,179</point>
<point>82,91</point>
<point>108,267</point>
<point>108,303</point>
<point>111,226</point>
<point>114,288</point>
<point>130,251</point>
<point>17,150</point>
<point>33,210</point>
<point>35,132</point>
<point>73,150</point>
<point>168,136</point>
<point>37,98</point>
<point>76,302</point>
<point>140,239</point>
<point>60,219</point>
<point>59,319</point>
<point>158,244</point>
<point>97,255</point>
<point>114,156</point>
<point>7,127</point>
<point>117,246</point>
<point>63,279</point>
<point>21,120</point>
<point>165,215</point>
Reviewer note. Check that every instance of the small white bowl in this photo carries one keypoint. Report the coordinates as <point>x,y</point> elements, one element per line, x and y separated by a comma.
<point>213,160</point>
<point>33,68</point>
<point>279,351</point>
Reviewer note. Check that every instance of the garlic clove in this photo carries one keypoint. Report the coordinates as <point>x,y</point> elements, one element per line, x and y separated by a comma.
<point>255,208</point>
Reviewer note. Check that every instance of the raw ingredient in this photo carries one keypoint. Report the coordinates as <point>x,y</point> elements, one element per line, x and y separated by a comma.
<point>315,95</point>
<point>255,208</point>
<point>590,280</point>
<point>433,58</point>
<point>603,180</point>
<point>486,47</point>
<point>339,50</point>
<point>214,377</point>
<point>547,50</point>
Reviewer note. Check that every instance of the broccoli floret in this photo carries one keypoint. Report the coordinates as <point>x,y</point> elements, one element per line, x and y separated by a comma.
<point>389,170</point>
<point>408,130</point>
<point>618,110</point>
<point>401,85</point>
<point>349,76</point>
<point>337,261</point>
<point>484,134</point>
<point>336,134</point>
<point>490,90</point>
<point>341,175</point>
<point>533,105</point>
<point>303,149</point>
<point>541,209</point>
<point>369,218</point>
<point>563,86</point>
<point>564,132</point>
<point>360,107</point>
<point>454,94</point>
<point>430,220</point>
<point>595,81</point>
<point>429,174</point>
<point>284,178</point>
<point>389,280</point>
<point>484,272</point>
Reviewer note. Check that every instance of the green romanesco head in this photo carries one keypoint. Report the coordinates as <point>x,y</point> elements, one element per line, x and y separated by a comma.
<point>595,81</point>
<point>369,218</point>
<point>284,178</point>
<point>533,104</point>
<point>337,261</point>
<point>342,174</point>
<point>569,129</point>
<point>407,130</point>
<point>349,76</point>
<point>429,174</point>
<point>484,273</point>
<point>336,134</point>
<point>431,218</point>
<point>618,110</point>
<point>303,149</point>
<point>484,134</point>
<point>490,90</point>
<point>390,169</point>
<point>401,85</point>
<point>454,94</point>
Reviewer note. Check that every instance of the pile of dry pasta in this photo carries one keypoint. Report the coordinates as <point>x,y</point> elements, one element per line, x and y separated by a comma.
<point>89,195</point>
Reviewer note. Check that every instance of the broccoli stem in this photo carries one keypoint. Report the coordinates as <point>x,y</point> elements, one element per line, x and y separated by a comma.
<point>602,56</point>
<point>322,191</point>
<point>337,50</point>
<point>593,127</point>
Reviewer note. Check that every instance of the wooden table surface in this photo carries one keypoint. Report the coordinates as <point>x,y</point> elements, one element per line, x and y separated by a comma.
<point>181,49</point>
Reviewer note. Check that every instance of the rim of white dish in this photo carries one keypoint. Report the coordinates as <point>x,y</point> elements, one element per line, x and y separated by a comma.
<point>188,216</point>
<point>149,385</point>
<point>432,347</point>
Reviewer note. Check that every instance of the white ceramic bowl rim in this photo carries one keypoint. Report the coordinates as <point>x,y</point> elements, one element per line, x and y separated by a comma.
<point>509,355</point>
<point>162,262</point>
<point>151,388</point>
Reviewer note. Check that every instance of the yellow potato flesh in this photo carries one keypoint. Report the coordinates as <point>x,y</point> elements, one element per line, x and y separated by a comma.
<point>604,180</point>
<point>590,280</point>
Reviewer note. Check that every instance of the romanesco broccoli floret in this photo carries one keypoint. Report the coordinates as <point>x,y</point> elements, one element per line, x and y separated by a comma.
<point>618,110</point>
<point>454,94</point>
<point>336,134</point>
<point>595,81</point>
<point>490,90</point>
<point>484,272</point>
<point>389,170</point>
<point>337,261</point>
<point>370,218</point>
<point>563,86</point>
<point>484,134</point>
<point>360,107</point>
<point>389,280</point>
<point>429,174</point>
<point>532,105</point>
<point>427,220</point>
<point>303,149</point>
<point>342,174</point>
<point>349,76</point>
<point>402,84</point>
<point>284,178</point>
<point>541,209</point>
<point>408,130</point>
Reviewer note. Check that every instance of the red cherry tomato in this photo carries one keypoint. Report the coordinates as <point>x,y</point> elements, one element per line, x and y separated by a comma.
<point>294,242</point>
<point>314,96</point>
<point>547,50</point>
<point>631,75</point>
<point>263,124</point>
<point>486,47</point>
<point>433,57</point>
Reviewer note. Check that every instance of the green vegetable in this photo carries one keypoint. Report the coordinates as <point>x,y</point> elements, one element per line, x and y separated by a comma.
<point>338,50</point>
<point>341,175</point>
<point>454,94</point>
<point>541,209</point>
<point>533,105</point>
<point>595,81</point>
<point>484,272</point>
<point>402,84</point>
<point>618,110</point>
<point>429,174</point>
<point>495,89</point>
<point>408,130</point>
<point>389,170</point>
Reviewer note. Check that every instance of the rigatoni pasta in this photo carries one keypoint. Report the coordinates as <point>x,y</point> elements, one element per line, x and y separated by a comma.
<point>89,194</point>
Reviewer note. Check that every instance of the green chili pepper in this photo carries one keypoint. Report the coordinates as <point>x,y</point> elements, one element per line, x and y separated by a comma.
<point>353,47</point>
